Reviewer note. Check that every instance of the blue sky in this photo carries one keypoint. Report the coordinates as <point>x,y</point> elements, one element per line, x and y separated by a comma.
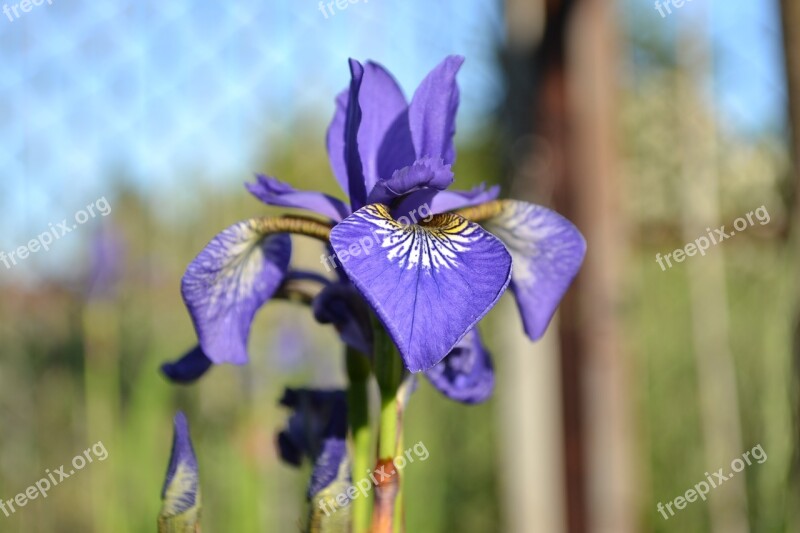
<point>167,89</point>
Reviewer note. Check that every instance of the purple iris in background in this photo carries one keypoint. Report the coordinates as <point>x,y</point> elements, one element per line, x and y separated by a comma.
<point>317,431</point>
<point>428,261</point>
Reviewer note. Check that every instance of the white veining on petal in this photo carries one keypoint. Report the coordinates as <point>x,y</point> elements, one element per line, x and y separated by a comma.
<point>523,227</point>
<point>412,245</point>
<point>232,267</point>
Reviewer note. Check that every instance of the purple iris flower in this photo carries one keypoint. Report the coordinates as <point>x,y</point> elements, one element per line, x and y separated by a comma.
<point>401,247</point>
<point>317,431</point>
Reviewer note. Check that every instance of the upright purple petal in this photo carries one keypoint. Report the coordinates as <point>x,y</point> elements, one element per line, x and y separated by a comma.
<point>427,172</point>
<point>224,286</point>
<point>432,113</point>
<point>357,190</point>
<point>429,283</point>
<point>384,140</point>
<point>548,251</point>
<point>188,368</point>
<point>335,141</point>
<point>466,374</point>
<point>275,192</point>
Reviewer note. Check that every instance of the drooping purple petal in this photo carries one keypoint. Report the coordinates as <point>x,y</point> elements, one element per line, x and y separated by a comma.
<point>466,374</point>
<point>340,304</point>
<point>272,191</point>
<point>548,251</point>
<point>429,284</point>
<point>181,486</point>
<point>188,368</point>
<point>432,112</point>
<point>224,286</point>
<point>427,172</point>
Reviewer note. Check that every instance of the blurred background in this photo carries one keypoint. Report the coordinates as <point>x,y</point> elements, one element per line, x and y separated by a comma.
<point>645,124</point>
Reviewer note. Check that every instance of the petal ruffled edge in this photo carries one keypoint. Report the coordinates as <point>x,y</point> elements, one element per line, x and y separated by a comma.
<point>432,112</point>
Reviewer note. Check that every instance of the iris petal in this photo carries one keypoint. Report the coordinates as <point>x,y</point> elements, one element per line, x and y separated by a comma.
<point>357,190</point>
<point>432,112</point>
<point>427,172</point>
<point>548,251</point>
<point>451,200</point>
<point>384,140</point>
<point>466,374</point>
<point>335,141</point>
<point>272,191</point>
<point>188,368</point>
<point>317,430</point>
<point>429,283</point>
<point>181,492</point>
<point>340,304</point>
<point>224,286</point>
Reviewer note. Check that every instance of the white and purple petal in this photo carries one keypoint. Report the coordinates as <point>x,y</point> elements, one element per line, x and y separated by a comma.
<point>181,492</point>
<point>272,191</point>
<point>548,251</point>
<point>224,286</point>
<point>429,283</point>
<point>432,112</point>
<point>466,375</point>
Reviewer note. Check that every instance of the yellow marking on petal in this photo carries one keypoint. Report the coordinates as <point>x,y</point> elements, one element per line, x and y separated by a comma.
<point>433,243</point>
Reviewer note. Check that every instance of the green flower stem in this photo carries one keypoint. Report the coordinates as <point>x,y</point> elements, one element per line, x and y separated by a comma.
<point>389,374</point>
<point>358,372</point>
